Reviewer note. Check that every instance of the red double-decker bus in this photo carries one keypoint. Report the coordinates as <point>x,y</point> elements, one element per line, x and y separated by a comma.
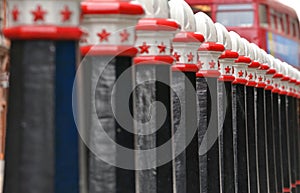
<point>268,23</point>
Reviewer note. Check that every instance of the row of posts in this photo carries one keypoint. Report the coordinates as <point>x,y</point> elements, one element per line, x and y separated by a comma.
<point>144,96</point>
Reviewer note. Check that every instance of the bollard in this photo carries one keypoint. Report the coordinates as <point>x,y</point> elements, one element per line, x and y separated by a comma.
<point>108,51</point>
<point>277,128</point>
<point>185,46</point>
<point>259,109</point>
<point>42,140</point>
<point>269,123</point>
<point>250,118</point>
<point>291,126</point>
<point>295,85</point>
<point>285,149</point>
<point>153,79</point>
<point>207,80</point>
<point>238,106</point>
<point>226,62</point>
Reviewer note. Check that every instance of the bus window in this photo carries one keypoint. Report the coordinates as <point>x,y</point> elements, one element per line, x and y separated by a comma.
<point>286,26</point>
<point>263,18</point>
<point>203,8</point>
<point>295,29</point>
<point>236,18</point>
<point>273,20</point>
<point>279,22</point>
<point>236,15</point>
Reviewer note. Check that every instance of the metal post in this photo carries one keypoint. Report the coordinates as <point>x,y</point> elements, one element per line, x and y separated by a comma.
<point>239,115</point>
<point>269,109</point>
<point>250,120</point>
<point>104,85</point>
<point>153,79</point>
<point>185,46</point>
<point>207,88</point>
<point>42,140</point>
<point>226,62</point>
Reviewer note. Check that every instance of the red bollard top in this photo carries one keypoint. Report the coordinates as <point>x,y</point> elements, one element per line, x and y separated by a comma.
<point>109,27</point>
<point>210,51</point>
<point>155,33</point>
<point>270,73</point>
<point>186,42</point>
<point>262,70</point>
<point>228,57</point>
<point>47,19</point>
<point>251,73</point>
<point>291,71</point>
<point>277,76</point>
<point>241,63</point>
<point>285,79</point>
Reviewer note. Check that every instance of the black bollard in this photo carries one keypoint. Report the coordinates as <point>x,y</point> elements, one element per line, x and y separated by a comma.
<point>207,87</point>
<point>251,131</point>
<point>239,124</point>
<point>284,134</point>
<point>277,130</point>
<point>185,106</point>
<point>269,117</point>
<point>153,80</point>
<point>42,140</point>
<point>108,52</point>
<point>226,61</point>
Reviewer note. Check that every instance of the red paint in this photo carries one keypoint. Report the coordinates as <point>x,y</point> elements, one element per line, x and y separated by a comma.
<point>200,64</point>
<point>264,67</point>
<point>212,64</point>
<point>240,81</point>
<point>108,50</point>
<point>39,14</point>
<point>208,73</point>
<point>144,48</point>
<point>254,64</point>
<point>114,7</point>
<point>15,13</point>
<point>43,32</point>
<point>251,83</point>
<point>162,48</point>
<point>250,76</point>
<point>104,35</point>
<point>66,14</point>
<point>154,60</point>
<point>229,54</point>
<point>226,78</point>
<point>271,71</point>
<point>177,56</point>
<point>156,24</point>
<point>227,70</point>
<point>285,78</point>
<point>185,68</point>
<point>188,37</point>
<point>269,88</point>
<point>278,75</point>
<point>261,85</point>
<point>124,35</point>
<point>190,57</point>
<point>211,46</point>
<point>241,73</point>
<point>243,59</point>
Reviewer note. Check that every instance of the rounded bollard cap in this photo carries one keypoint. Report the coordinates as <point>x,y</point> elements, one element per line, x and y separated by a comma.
<point>181,12</point>
<point>228,57</point>
<point>156,17</point>
<point>206,27</point>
